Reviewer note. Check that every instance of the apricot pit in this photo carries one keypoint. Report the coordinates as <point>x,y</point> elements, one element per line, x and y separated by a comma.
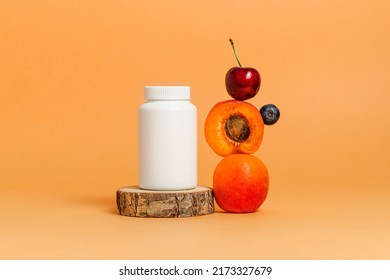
<point>234,127</point>
<point>237,128</point>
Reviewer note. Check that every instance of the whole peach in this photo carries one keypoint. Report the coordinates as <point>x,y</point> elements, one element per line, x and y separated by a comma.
<point>240,183</point>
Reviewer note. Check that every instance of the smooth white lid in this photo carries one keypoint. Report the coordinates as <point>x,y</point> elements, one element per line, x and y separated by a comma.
<point>167,92</point>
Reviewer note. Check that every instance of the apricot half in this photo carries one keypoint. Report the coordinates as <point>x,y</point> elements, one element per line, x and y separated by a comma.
<point>234,127</point>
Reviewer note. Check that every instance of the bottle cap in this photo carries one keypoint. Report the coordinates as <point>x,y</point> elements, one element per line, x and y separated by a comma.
<point>167,92</point>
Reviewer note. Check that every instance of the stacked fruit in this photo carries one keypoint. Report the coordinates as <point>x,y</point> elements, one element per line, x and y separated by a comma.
<point>234,130</point>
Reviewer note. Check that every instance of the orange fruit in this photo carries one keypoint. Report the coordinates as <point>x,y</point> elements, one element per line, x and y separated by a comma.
<point>240,183</point>
<point>234,126</point>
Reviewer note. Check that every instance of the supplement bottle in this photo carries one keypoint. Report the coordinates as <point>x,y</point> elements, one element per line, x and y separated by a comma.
<point>167,129</point>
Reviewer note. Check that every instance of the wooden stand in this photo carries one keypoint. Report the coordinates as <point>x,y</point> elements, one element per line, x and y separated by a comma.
<point>135,202</point>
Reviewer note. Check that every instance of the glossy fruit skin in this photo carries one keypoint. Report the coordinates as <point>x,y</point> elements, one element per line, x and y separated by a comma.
<point>240,183</point>
<point>214,128</point>
<point>242,83</point>
<point>270,114</point>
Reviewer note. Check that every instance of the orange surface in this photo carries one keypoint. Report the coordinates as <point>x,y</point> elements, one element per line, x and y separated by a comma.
<point>71,79</point>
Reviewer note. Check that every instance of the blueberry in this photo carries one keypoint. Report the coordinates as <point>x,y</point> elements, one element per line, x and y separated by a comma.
<point>270,114</point>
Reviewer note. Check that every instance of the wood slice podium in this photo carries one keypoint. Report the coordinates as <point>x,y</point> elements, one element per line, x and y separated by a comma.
<point>135,202</point>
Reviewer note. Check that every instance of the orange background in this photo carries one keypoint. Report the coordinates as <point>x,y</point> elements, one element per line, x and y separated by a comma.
<point>71,79</point>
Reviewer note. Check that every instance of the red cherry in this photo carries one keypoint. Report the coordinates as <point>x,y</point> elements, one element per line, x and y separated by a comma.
<point>242,83</point>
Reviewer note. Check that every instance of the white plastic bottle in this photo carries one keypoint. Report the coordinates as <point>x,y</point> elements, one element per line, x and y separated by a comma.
<point>167,129</point>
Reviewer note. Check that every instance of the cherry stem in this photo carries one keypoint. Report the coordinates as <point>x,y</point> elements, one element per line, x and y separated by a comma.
<point>234,50</point>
